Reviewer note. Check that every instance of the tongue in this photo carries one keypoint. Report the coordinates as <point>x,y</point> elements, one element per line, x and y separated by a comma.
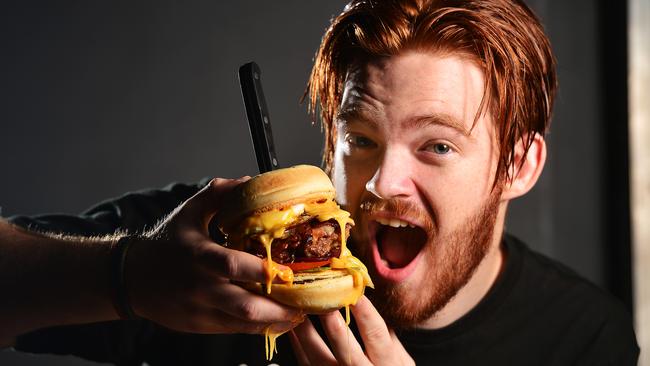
<point>398,246</point>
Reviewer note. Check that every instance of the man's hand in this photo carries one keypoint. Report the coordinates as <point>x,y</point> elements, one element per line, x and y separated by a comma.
<point>381,345</point>
<point>180,278</point>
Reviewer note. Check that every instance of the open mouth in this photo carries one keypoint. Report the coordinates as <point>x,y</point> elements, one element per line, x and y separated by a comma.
<point>397,246</point>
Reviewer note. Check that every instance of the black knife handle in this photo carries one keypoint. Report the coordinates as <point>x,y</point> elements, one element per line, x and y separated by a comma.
<point>259,121</point>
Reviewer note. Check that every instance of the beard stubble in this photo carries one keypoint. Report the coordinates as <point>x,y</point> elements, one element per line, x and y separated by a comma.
<point>452,259</point>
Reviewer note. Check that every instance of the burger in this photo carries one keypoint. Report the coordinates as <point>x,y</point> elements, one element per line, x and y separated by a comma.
<point>289,217</point>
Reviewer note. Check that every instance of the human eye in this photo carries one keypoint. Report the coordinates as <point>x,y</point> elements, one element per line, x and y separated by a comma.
<point>359,141</point>
<point>439,148</point>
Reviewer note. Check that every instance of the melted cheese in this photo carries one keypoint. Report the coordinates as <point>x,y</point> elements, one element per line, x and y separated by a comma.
<point>270,267</point>
<point>269,342</point>
<point>269,225</point>
<point>347,314</point>
<point>272,224</point>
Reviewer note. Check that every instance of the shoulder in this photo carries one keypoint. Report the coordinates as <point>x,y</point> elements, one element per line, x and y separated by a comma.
<point>552,282</point>
<point>570,311</point>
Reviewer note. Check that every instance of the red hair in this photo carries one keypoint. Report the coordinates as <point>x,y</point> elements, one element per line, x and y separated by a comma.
<point>503,36</point>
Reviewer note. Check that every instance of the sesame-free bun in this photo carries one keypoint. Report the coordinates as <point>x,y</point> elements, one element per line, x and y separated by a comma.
<point>315,293</point>
<point>276,189</point>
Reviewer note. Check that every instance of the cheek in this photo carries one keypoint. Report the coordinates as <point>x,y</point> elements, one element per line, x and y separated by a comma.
<point>454,193</point>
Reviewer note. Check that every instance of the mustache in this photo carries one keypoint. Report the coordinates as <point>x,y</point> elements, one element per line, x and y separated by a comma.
<point>396,207</point>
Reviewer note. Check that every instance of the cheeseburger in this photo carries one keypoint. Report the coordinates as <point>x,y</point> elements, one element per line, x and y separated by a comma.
<point>289,216</point>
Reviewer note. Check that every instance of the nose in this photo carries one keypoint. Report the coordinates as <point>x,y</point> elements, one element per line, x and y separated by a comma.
<point>393,177</point>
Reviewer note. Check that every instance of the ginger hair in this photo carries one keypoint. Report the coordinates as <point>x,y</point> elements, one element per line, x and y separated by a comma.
<point>503,36</point>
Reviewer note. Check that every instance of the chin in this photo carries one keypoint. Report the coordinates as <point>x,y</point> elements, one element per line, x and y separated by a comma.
<point>418,269</point>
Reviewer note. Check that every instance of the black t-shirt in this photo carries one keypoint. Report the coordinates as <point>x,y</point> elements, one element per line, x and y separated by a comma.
<point>538,312</point>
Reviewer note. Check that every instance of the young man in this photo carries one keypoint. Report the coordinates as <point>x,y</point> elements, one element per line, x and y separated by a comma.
<point>435,114</point>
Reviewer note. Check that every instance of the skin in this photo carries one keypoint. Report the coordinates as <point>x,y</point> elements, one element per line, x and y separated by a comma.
<point>444,168</point>
<point>180,279</point>
<point>177,277</point>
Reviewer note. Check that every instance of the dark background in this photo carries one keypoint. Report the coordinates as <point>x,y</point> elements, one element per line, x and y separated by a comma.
<point>102,97</point>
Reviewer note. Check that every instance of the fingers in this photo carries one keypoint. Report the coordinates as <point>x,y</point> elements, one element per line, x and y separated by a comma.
<point>233,264</point>
<point>397,343</point>
<point>312,345</point>
<point>300,354</point>
<point>208,320</point>
<point>245,305</point>
<point>381,345</point>
<point>373,331</point>
<point>344,345</point>
<point>216,320</point>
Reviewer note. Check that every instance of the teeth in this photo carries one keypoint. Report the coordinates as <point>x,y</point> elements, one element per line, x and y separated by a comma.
<point>394,222</point>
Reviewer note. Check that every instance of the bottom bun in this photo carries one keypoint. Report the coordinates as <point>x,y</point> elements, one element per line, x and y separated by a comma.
<point>315,292</point>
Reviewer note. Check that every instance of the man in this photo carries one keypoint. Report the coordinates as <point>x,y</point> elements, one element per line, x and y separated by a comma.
<point>434,114</point>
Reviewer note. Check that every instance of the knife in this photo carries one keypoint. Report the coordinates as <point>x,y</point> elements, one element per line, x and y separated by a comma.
<point>257,113</point>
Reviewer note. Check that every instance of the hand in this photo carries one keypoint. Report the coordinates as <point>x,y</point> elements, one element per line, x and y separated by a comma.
<point>178,277</point>
<point>382,346</point>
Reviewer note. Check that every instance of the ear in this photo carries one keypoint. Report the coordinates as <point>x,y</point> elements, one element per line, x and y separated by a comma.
<point>526,173</point>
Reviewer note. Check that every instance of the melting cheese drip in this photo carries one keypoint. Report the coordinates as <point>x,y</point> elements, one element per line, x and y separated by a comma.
<point>269,342</point>
<point>347,314</point>
<point>271,267</point>
<point>270,225</point>
<point>345,260</point>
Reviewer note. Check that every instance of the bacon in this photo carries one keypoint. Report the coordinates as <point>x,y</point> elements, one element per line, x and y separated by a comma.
<point>305,242</point>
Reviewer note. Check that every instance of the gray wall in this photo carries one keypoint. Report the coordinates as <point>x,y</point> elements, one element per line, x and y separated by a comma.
<point>99,98</point>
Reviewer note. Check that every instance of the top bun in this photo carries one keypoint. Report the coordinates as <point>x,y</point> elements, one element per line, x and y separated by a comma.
<point>274,190</point>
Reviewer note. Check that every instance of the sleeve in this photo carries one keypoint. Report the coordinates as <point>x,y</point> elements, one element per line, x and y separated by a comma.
<point>119,342</point>
<point>131,212</point>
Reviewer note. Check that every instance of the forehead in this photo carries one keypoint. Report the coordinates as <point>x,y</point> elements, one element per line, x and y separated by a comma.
<point>413,84</point>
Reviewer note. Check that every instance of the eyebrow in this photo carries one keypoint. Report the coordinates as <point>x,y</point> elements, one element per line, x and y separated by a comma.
<point>359,114</point>
<point>368,117</point>
<point>440,120</point>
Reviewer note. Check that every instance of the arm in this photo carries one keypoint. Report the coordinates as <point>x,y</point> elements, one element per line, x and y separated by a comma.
<point>177,276</point>
<point>48,280</point>
<point>31,263</point>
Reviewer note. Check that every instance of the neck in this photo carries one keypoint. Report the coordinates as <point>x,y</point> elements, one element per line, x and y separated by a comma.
<point>479,284</point>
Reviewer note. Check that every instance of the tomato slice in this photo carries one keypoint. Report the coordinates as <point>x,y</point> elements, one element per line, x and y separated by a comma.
<point>301,266</point>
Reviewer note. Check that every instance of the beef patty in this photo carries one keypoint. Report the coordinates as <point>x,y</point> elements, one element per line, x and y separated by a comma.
<point>309,241</point>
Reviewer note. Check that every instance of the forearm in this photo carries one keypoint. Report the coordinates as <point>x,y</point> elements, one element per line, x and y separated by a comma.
<point>50,280</point>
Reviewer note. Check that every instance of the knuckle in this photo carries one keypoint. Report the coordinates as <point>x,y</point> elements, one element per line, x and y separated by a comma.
<point>375,333</point>
<point>249,310</point>
<point>227,265</point>
<point>231,266</point>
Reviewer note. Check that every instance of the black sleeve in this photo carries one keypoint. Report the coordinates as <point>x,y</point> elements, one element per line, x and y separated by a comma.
<point>119,342</point>
<point>131,212</point>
